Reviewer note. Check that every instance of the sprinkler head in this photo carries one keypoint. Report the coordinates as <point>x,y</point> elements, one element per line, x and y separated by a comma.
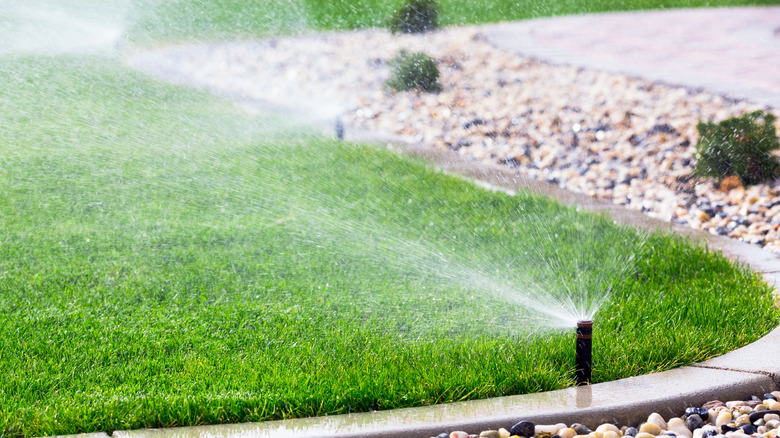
<point>582,354</point>
<point>339,129</point>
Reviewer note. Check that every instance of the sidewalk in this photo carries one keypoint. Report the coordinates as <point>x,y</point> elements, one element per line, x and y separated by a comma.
<point>732,51</point>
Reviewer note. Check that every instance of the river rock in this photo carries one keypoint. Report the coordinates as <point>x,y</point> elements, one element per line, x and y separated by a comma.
<point>644,435</point>
<point>713,404</point>
<point>724,417</point>
<point>459,434</point>
<point>677,425</point>
<point>701,412</point>
<point>651,428</point>
<point>707,430</point>
<point>552,429</point>
<point>490,434</point>
<point>773,405</point>
<point>581,429</point>
<point>711,433</point>
<point>656,418</point>
<point>748,429</point>
<point>523,428</point>
<point>608,427</point>
<point>694,422</point>
<point>567,432</point>
<point>742,420</point>
<point>631,431</point>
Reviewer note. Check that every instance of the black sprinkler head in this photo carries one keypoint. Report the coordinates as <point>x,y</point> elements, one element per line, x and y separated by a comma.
<point>582,354</point>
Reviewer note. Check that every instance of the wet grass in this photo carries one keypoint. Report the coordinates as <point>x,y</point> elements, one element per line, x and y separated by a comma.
<point>169,259</point>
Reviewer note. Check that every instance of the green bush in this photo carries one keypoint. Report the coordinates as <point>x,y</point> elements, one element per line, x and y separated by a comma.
<point>414,70</point>
<point>416,16</point>
<point>738,146</point>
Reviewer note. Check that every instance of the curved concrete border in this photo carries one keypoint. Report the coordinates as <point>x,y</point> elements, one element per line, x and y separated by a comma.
<point>750,370</point>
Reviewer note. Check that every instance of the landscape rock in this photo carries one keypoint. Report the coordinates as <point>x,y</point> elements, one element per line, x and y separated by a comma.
<point>693,422</point>
<point>677,425</point>
<point>651,428</point>
<point>523,428</point>
<point>689,425</point>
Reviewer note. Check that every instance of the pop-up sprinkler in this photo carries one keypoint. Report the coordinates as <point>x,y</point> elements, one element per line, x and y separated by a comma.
<point>582,354</point>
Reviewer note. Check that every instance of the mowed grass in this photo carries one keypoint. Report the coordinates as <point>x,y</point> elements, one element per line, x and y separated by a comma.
<point>170,259</point>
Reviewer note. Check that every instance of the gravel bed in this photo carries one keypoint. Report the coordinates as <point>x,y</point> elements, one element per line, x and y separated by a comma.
<point>605,135</point>
<point>758,417</point>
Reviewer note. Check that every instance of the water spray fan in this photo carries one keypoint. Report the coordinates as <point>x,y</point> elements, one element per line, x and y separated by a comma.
<point>583,352</point>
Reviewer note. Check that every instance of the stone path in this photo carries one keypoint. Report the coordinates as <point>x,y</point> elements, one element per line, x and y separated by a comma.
<point>733,51</point>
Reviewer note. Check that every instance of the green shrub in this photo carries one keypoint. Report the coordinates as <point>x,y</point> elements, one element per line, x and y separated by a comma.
<point>738,146</point>
<point>416,16</point>
<point>414,70</point>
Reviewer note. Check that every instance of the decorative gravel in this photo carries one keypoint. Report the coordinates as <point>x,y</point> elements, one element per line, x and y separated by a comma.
<point>758,417</point>
<point>608,136</point>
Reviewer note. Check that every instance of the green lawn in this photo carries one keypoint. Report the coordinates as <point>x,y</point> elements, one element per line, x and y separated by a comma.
<point>170,259</point>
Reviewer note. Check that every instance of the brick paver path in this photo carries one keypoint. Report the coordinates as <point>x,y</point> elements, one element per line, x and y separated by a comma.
<point>733,51</point>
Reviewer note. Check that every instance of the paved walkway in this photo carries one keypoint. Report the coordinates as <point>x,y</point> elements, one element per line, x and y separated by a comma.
<point>732,51</point>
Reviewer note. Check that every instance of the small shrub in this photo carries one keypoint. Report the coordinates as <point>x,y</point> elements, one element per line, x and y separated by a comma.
<point>738,146</point>
<point>416,16</point>
<point>414,70</point>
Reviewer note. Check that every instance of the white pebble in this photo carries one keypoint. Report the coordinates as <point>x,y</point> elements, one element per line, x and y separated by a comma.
<point>606,427</point>
<point>656,418</point>
<point>548,428</point>
<point>723,418</point>
<point>677,425</point>
<point>567,432</point>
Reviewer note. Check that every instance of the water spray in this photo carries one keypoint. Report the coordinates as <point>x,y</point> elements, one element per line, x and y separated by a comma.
<point>582,354</point>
